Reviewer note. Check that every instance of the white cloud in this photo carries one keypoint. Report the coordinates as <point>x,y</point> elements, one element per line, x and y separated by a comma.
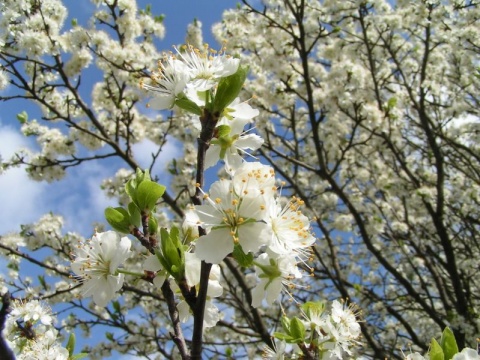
<point>22,199</point>
<point>79,198</point>
<point>143,153</point>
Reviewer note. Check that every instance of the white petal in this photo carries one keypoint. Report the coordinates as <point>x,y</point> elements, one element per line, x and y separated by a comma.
<point>212,156</point>
<point>250,236</point>
<point>183,311</point>
<point>273,290</point>
<point>106,244</point>
<point>214,288</point>
<point>212,315</point>
<point>251,141</point>
<point>209,215</point>
<point>162,102</point>
<point>221,189</point>
<point>192,269</point>
<point>232,161</point>
<point>244,111</point>
<point>253,206</point>
<point>237,126</point>
<point>122,253</point>
<point>104,289</point>
<point>215,246</point>
<point>159,280</point>
<point>258,293</point>
<point>152,263</point>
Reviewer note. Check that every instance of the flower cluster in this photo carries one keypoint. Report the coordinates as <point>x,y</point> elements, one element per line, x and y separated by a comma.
<point>191,72</point>
<point>245,214</point>
<point>96,265</point>
<point>30,333</point>
<point>465,354</point>
<point>336,331</point>
<point>327,334</point>
<point>190,80</point>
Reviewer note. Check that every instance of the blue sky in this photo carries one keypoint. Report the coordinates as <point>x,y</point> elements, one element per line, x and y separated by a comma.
<point>78,197</point>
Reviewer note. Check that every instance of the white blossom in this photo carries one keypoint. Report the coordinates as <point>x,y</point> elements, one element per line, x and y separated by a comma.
<point>97,262</point>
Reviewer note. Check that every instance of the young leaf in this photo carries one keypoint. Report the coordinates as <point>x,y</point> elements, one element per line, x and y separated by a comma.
<point>79,356</point>
<point>135,217</point>
<point>22,117</point>
<point>147,195</point>
<point>282,336</point>
<point>244,260</point>
<point>297,330</point>
<point>116,306</point>
<point>189,106</point>
<point>152,225</point>
<point>118,218</point>
<point>448,343</point>
<point>436,352</point>
<point>71,344</point>
<point>285,321</point>
<point>228,89</point>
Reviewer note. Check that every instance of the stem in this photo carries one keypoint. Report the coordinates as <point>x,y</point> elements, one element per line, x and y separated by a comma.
<point>177,336</point>
<point>126,272</point>
<point>5,352</point>
<point>209,122</point>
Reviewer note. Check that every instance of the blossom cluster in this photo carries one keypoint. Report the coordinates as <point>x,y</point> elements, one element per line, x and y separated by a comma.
<point>331,333</point>
<point>96,265</point>
<point>30,333</point>
<point>247,212</point>
<point>244,216</point>
<point>465,354</point>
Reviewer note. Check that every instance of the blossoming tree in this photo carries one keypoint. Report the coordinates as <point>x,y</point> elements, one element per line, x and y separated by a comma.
<point>363,118</point>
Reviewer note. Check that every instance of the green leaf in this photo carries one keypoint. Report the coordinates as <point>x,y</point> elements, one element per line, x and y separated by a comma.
<point>297,330</point>
<point>109,336</point>
<point>147,195</point>
<point>130,188</point>
<point>41,279</point>
<point>285,321</point>
<point>116,306</point>
<point>313,309</point>
<point>71,344</point>
<point>228,89</point>
<point>162,260</point>
<point>79,356</point>
<point>448,343</point>
<point>135,216</point>
<point>22,117</point>
<point>188,105</point>
<point>143,175</point>
<point>223,130</point>
<point>118,218</point>
<point>392,102</point>
<point>244,260</point>
<point>436,352</point>
<point>282,336</point>
<point>173,253</point>
<point>152,225</point>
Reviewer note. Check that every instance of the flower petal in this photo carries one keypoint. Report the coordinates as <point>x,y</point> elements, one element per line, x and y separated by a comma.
<point>215,246</point>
